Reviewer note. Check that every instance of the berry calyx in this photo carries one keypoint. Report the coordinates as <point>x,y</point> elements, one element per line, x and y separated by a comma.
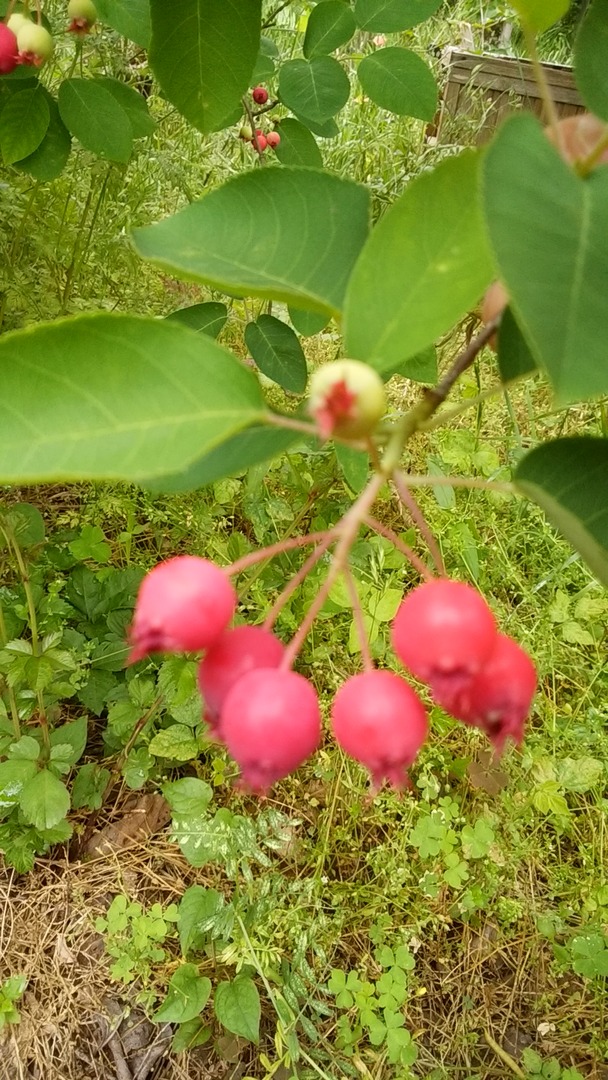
<point>35,44</point>
<point>273,139</point>
<point>499,698</point>
<point>232,655</point>
<point>346,398</point>
<point>379,720</point>
<point>444,633</point>
<point>183,605</point>
<point>82,15</point>
<point>9,49</point>
<point>246,133</point>
<point>262,142</point>
<point>260,95</point>
<point>270,723</point>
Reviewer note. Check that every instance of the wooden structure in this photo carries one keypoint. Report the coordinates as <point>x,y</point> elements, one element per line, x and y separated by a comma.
<point>482,89</point>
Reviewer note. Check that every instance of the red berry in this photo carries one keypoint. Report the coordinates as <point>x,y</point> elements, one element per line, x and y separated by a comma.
<point>261,142</point>
<point>273,139</point>
<point>183,605</point>
<point>9,50</point>
<point>498,699</point>
<point>235,652</point>
<point>270,723</point>
<point>379,720</point>
<point>444,633</point>
<point>260,95</point>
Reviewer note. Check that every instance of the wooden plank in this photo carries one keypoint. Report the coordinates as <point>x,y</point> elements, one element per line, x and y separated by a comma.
<point>480,79</point>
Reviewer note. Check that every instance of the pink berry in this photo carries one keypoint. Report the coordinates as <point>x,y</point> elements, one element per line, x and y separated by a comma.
<point>498,699</point>
<point>9,50</point>
<point>270,723</point>
<point>183,605</point>
<point>273,139</point>
<point>379,720</point>
<point>235,652</point>
<point>444,633</point>
<point>262,142</point>
<point>260,95</point>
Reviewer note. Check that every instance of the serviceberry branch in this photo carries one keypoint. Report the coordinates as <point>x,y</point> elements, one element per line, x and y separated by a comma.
<point>400,481</point>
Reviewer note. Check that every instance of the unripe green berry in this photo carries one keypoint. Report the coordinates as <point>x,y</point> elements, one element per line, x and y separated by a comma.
<point>347,398</point>
<point>246,132</point>
<point>16,21</point>
<point>82,12</point>
<point>35,43</point>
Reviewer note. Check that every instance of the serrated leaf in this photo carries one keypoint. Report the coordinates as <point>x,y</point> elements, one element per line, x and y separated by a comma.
<point>131,18</point>
<point>331,23</point>
<point>203,53</point>
<point>129,398</point>
<point>316,88</point>
<point>237,1007</point>
<point>74,733</point>
<point>188,797</point>
<point>579,774</point>
<point>177,743</point>
<point>25,749</point>
<point>398,80</point>
<point>591,58</point>
<point>241,238</point>
<point>390,16</point>
<point>298,145</point>
<point>209,318</point>
<point>187,996</point>
<point>424,266</point>
<point>24,122</point>
<point>93,115</point>
<point>277,352</point>
<point>13,776</point>
<point>568,478</point>
<point>89,786</point>
<point>44,800</point>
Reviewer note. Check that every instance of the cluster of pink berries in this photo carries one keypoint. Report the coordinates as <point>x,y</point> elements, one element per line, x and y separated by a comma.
<point>23,41</point>
<point>268,716</point>
<point>262,139</point>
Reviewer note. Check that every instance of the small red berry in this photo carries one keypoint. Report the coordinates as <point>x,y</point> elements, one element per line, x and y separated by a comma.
<point>444,633</point>
<point>499,698</point>
<point>262,142</point>
<point>9,51</point>
<point>273,139</point>
<point>270,723</point>
<point>346,398</point>
<point>380,721</point>
<point>235,652</point>
<point>260,95</point>
<point>183,605</point>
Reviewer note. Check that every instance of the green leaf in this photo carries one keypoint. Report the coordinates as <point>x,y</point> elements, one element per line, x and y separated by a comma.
<point>298,145</point>
<point>25,749</point>
<point>74,734</point>
<point>209,318</point>
<point>237,1007</point>
<point>95,118</point>
<point>579,774</point>
<point>591,58</point>
<point>23,124</point>
<point>198,912</point>
<point>264,69</point>
<point>568,478</point>
<point>190,1035</point>
<point>14,775</point>
<point>117,397</point>
<point>316,88</point>
<point>177,743</point>
<point>131,18</point>
<point>48,161</point>
<point>390,16</point>
<point>203,53</point>
<point>250,447</point>
<point>188,797</point>
<point>89,786</point>
<point>539,15</point>
<point>330,24</point>
<point>134,105</point>
<point>425,265</point>
<point>420,368</point>
<point>514,357</point>
<point>548,227</point>
<point>91,544</point>
<point>398,80</point>
<point>307,323</point>
<point>354,465</point>
<point>241,238</point>
<point>328,130</point>
<point>44,800</point>
<point>187,996</point>
<point>26,523</point>
<point>277,352</point>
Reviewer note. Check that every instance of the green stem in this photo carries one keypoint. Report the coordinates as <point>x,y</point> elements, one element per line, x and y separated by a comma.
<point>69,278</point>
<point>10,693</point>
<point>550,110</point>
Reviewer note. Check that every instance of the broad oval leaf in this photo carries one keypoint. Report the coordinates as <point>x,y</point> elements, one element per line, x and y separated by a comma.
<point>591,58</point>
<point>298,145</point>
<point>24,121</point>
<point>116,397</point>
<point>420,368</point>
<point>131,18</point>
<point>187,995</point>
<point>95,118</point>
<point>307,323</point>
<point>44,800</point>
<point>539,15</point>
<point>277,352</point>
<point>208,318</point>
<point>282,233</point>
<point>390,16</point>
<point>327,130</point>
<point>133,104</point>
<point>425,265</point>
<point>398,80</point>
<point>48,161</point>
<point>203,54</point>
<point>568,478</point>
<point>548,228</point>
<point>256,444</point>
<point>237,1007</point>
<point>514,357</point>
<point>330,24</point>
<point>316,88</point>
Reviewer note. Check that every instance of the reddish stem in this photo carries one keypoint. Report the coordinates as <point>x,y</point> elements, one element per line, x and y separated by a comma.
<point>355,599</point>
<point>297,580</point>
<point>279,548</point>
<point>408,500</point>
<point>401,546</point>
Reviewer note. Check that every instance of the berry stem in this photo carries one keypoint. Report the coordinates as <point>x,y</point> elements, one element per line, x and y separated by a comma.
<point>297,580</point>
<point>251,119</point>
<point>409,502</point>
<point>277,549</point>
<point>549,107</point>
<point>355,600</point>
<point>405,549</point>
